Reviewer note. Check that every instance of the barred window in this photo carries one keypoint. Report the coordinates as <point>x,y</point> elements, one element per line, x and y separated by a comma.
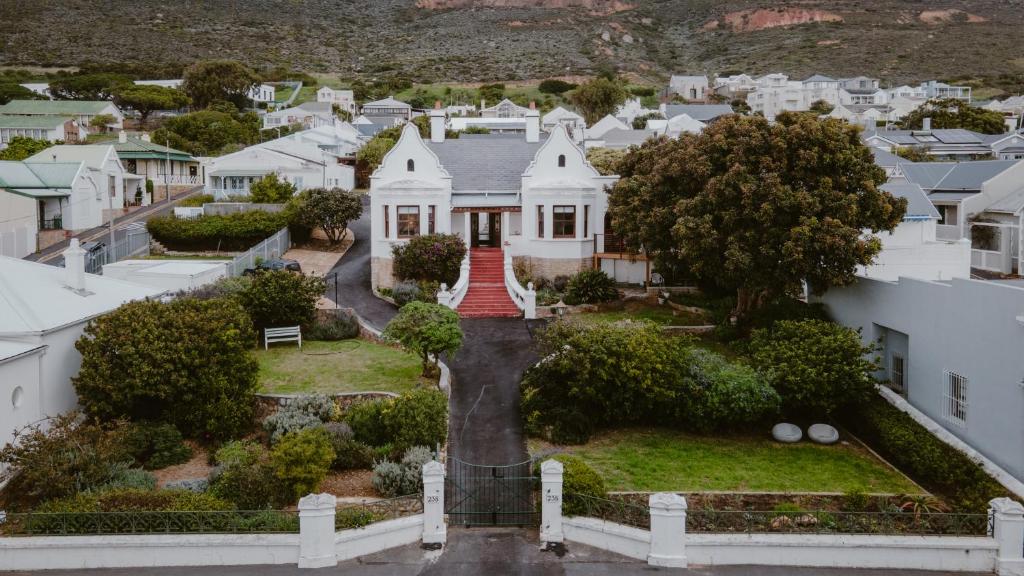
<point>956,398</point>
<point>897,377</point>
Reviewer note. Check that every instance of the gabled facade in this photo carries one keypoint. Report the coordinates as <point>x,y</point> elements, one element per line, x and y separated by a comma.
<point>164,166</point>
<point>308,114</point>
<point>343,99</point>
<point>504,109</point>
<point>49,128</point>
<point>689,87</point>
<point>572,122</point>
<point>534,197</point>
<point>389,108</point>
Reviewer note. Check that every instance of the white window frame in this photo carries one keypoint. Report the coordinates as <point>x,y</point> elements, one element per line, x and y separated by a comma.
<point>956,398</point>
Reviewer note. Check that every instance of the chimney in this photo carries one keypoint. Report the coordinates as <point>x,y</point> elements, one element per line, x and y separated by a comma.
<point>437,123</point>
<point>926,124</point>
<point>532,124</point>
<point>122,136</point>
<point>74,268</point>
<point>145,138</point>
<point>483,104</point>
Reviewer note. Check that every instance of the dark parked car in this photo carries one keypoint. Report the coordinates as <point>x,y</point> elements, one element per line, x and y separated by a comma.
<point>275,264</point>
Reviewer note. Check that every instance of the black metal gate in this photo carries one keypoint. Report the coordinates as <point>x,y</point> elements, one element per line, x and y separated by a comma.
<point>477,495</point>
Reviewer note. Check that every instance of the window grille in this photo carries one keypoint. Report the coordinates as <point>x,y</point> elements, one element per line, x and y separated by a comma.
<point>897,373</point>
<point>956,398</point>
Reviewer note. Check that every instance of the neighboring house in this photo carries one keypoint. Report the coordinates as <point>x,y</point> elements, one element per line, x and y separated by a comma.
<point>733,87</point>
<point>704,113</point>
<point>534,198</point>
<point>304,163</point>
<point>860,90</point>
<point>603,125</point>
<point>388,108</point>
<point>1007,146</point>
<point>935,89</point>
<point>867,115</point>
<point>912,249</point>
<point>460,109</point>
<point>340,139</point>
<point>572,122</point>
<point>631,110</point>
<point>689,87</point>
<point>620,138</point>
<point>41,88</point>
<point>676,126</point>
<point>49,128</point>
<point>264,93</point>
<point>19,223</point>
<point>776,93</point>
<point>175,83</point>
<point>943,144</point>
<point>952,349</point>
<point>82,111</point>
<point>164,166</point>
<point>495,125</point>
<point>368,127</point>
<point>821,87</point>
<point>1012,108</point>
<point>504,109</point>
<point>308,114</point>
<point>43,311</point>
<point>166,274</point>
<point>343,99</point>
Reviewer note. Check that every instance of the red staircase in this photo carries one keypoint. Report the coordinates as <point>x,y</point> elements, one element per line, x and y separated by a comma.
<point>487,296</point>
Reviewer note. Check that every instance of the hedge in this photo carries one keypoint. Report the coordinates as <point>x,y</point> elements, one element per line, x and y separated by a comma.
<point>232,232</point>
<point>937,466</point>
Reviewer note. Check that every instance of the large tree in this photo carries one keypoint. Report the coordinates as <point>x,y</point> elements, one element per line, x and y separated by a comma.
<point>21,147</point>
<point>330,209</point>
<point>209,132</point>
<point>757,207</point>
<point>11,91</point>
<point>954,113</point>
<point>209,81</point>
<point>598,98</point>
<point>146,99</point>
<point>95,86</point>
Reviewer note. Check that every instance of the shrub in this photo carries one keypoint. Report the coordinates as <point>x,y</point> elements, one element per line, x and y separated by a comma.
<point>321,406</point>
<point>594,376</point>
<point>238,231</point>
<point>590,286</point>
<point>222,288</point>
<point>60,457</point>
<point>327,209</point>
<point>271,190</point>
<point>436,257</point>
<point>578,479</point>
<point>157,445</point>
<point>339,325</point>
<point>277,298</point>
<point>426,330</point>
<point>416,418</point>
<point>190,484</point>
<point>405,292</point>
<point>186,362</point>
<point>560,283</point>
<point>197,200</point>
<point>133,478</point>
<point>244,477</point>
<point>134,500</point>
<point>816,366</point>
<point>726,395</point>
<point>239,453</point>
<point>349,453</point>
<point>937,466</point>
<point>555,86</point>
<point>399,479</point>
<point>302,413</point>
<point>301,460</point>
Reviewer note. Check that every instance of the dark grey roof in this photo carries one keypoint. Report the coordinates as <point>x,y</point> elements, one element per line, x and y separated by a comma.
<point>619,138</point>
<point>369,129</point>
<point>918,204</point>
<point>885,159</point>
<point>701,112</point>
<point>927,175</point>
<point>485,162</point>
<point>955,175</point>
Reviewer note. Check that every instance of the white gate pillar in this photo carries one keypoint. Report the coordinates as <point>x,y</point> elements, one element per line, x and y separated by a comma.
<point>551,505</point>
<point>1008,530</point>
<point>316,531</point>
<point>668,530</point>
<point>435,531</point>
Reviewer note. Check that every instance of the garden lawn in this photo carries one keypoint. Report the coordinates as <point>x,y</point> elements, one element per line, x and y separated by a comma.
<point>660,315</point>
<point>666,460</point>
<point>341,366</point>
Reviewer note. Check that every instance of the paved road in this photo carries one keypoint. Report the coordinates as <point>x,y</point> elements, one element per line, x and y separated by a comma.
<point>52,254</point>
<point>490,552</point>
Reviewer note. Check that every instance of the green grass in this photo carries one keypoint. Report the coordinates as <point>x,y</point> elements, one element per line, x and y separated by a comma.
<point>660,315</point>
<point>342,366</point>
<point>665,460</point>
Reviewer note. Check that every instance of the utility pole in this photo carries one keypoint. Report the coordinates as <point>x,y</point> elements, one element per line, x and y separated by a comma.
<point>167,185</point>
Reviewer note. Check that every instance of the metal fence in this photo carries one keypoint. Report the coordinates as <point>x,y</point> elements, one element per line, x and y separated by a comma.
<point>359,515</point>
<point>827,522</point>
<point>273,247</point>
<point>135,243</point>
<point>149,522</point>
<point>618,511</point>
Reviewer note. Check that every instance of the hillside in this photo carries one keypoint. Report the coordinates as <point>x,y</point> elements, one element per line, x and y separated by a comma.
<point>480,40</point>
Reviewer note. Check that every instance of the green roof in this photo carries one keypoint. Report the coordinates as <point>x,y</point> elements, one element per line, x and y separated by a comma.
<point>35,175</point>
<point>139,149</point>
<point>47,121</point>
<point>60,107</point>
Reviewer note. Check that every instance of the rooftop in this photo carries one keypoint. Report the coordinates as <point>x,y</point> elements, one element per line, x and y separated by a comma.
<point>699,112</point>
<point>47,121</point>
<point>486,162</point>
<point>58,107</point>
<point>137,148</point>
<point>954,176</point>
<point>918,204</point>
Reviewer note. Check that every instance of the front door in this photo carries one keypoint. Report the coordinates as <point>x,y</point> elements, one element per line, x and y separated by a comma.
<point>485,232</point>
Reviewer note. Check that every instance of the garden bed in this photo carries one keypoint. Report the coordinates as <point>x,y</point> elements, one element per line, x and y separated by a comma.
<point>643,310</point>
<point>655,460</point>
<point>339,366</point>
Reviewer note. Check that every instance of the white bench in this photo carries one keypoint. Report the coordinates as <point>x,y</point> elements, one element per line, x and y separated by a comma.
<point>289,334</point>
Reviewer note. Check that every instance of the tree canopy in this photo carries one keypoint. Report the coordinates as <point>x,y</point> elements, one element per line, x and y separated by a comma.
<point>954,113</point>
<point>95,86</point>
<point>426,330</point>
<point>210,81</point>
<point>11,91</point>
<point>21,147</point>
<point>598,98</point>
<point>330,209</point>
<point>209,132</point>
<point>271,189</point>
<point>756,207</point>
<point>146,99</point>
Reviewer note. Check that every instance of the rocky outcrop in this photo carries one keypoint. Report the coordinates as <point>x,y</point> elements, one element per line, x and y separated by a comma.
<point>763,18</point>
<point>596,7</point>
<point>948,16</point>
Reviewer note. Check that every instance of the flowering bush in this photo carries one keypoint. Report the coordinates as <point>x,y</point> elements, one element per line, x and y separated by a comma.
<point>436,257</point>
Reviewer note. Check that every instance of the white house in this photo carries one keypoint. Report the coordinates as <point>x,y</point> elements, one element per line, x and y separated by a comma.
<point>388,107</point>
<point>19,222</point>
<point>343,99</point>
<point>861,90</point>
<point>942,143</point>
<point>631,109</point>
<point>339,139</point>
<point>169,275</point>
<point>533,197</point>
<point>308,114</point>
<point>735,86</point>
<point>492,124</point>
<point>603,125</point>
<point>44,127</point>
<point>41,88</point>
<point>43,311</point>
<point>82,111</point>
<point>95,181</point>
<point>676,126</point>
<point>689,87</point>
<point>504,109</point>
<point>265,93</point>
<point>303,162</point>
<point>572,122</point>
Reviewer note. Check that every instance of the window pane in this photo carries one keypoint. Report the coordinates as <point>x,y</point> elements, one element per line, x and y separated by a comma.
<point>540,221</point>
<point>564,221</point>
<point>408,221</point>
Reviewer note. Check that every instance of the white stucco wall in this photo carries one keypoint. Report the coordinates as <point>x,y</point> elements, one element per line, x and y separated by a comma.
<point>911,250</point>
<point>19,392</point>
<point>18,225</point>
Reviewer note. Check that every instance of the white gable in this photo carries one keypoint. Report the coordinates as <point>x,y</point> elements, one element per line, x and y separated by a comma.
<point>545,171</point>
<point>684,123</point>
<point>410,164</point>
<point>602,126</point>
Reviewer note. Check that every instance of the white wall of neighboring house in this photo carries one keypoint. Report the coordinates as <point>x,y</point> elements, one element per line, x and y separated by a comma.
<point>262,93</point>
<point>911,250</point>
<point>19,398</point>
<point>344,99</point>
<point>19,225</point>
